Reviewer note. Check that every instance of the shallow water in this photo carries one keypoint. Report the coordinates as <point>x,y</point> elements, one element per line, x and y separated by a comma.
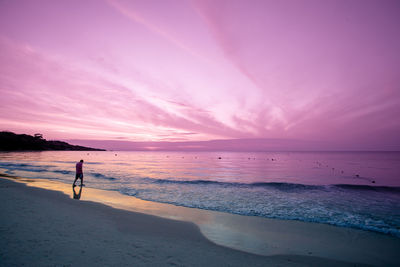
<point>351,189</point>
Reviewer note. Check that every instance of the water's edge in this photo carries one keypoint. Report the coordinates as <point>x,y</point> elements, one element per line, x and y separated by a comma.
<point>256,235</point>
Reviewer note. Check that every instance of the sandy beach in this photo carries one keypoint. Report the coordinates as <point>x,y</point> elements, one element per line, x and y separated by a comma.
<point>199,133</point>
<point>42,227</point>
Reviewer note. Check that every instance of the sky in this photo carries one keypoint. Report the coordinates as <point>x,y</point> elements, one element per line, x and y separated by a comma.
<point>326,72</point>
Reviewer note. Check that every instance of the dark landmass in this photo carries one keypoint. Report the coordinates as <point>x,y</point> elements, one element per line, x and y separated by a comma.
<point>22,142</point>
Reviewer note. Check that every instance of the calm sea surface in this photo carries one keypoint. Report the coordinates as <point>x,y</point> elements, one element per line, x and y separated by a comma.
<point>351,189</point>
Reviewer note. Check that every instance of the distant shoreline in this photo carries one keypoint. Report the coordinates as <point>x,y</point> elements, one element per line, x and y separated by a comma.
<point>11,142</point>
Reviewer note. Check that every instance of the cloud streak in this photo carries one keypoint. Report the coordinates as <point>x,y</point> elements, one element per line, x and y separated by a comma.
<point>76,101</point>
<point>202,70</point>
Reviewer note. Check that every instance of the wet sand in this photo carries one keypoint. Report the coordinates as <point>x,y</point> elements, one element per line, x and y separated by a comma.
<point>41,227</point>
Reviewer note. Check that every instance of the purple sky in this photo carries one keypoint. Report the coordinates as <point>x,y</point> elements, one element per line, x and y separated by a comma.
<point>318,71</point>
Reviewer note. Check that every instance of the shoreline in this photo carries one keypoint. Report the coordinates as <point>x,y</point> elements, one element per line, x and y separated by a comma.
<point>284,242</point>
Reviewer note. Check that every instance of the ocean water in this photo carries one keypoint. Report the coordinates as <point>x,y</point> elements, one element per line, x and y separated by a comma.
<point>349,189</point>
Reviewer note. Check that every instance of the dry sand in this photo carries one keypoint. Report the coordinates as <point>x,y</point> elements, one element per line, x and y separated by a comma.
<point>41,227</point>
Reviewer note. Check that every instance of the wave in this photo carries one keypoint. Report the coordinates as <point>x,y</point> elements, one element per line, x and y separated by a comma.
<point>288,186</point>
<point>282,186</point>
<point>10,164</point>
<point>10,167</point>
<point>122,164</point>
<point>394,189</point>
<point>340,219</point>
<point>101,176</point>
<point>24,167</point>
<point>63,172</point>
<point>276,185</point>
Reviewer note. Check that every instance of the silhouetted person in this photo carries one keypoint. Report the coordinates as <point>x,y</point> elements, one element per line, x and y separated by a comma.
<point>79,172</point>
<point>77,196</point>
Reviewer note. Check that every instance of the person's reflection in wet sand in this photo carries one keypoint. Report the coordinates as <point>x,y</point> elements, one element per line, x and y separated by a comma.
<point>77,195</point>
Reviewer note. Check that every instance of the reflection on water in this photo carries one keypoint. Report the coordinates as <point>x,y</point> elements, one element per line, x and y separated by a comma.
<point>77,195</point>
<point>104,170</point>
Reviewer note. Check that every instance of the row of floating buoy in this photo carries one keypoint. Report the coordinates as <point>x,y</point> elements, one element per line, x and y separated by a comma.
<point>272,159</point>
<point>342,172</point>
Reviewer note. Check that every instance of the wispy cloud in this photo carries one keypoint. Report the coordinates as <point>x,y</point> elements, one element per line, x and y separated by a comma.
<point>201,70</point>
<point>157,29</point>
<point>55,95</point>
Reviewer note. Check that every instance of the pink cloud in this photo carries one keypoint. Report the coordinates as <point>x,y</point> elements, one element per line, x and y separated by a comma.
<point>172,70</point>
<point>158,29</point>
<point>320,73</point>
<point>76,101</point>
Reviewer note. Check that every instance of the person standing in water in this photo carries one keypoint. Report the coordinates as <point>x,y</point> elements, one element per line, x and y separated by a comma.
<point>79,172</point>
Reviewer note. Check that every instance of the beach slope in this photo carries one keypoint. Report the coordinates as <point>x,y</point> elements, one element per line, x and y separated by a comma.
<point>42,227</point>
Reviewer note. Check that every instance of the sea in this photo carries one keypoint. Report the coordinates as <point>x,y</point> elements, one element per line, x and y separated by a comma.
<point>348,189</point>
